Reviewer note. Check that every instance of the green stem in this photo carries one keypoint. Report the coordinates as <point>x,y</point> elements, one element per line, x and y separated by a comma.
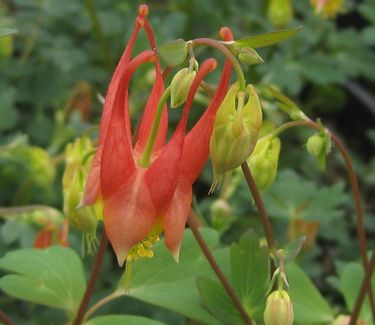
<point>228,54</point>
<point>146,156</point>
<point>99,33</point>
<point>114,295</point>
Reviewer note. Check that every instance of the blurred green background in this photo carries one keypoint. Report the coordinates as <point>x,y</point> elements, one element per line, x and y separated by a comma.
<point>64,54</point>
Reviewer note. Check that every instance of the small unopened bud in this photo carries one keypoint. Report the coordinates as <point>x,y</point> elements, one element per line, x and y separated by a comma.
<point>235,131</point>
<point>249,56</point>
<point>315,145</point>
<point>180,86</point>
<point>319,145</point>
<point>280,12</point>
<point>85,219</point>
<point>279,309</point>
<point>264,160</point>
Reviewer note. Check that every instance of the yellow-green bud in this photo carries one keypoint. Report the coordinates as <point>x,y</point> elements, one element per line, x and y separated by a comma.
<point>235,131</point>
<point>6,46</point>
<point>180,86</point>
<point>319,145</point>
<point>280,12</point>
<point>279,309</point>
<point>76,171</point>
<point>221,214</point>
<point>315,145</point>
<point>249,56</point>
<point>264,160</point>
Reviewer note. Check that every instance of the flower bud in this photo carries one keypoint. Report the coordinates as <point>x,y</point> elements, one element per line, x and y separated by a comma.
<point>279,309</point>
<point>280,12</point>
<point>85,219</point>
<point>319,145</point>
<point>180,86</point>
<point>315,145</point>
<point>249,56</point>
<point>221,214</point>
<point>264,160</point>
<point>328,8</point>
<point>235,131</point>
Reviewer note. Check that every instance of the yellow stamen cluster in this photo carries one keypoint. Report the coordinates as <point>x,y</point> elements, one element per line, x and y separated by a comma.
<point>143,249</point>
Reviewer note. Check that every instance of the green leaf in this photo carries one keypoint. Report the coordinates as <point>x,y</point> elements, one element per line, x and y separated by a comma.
<point>121,320</point>
<point>52,277</point>
<point>217,301</point>
<point>267,39</point>
<point>174,53</point>
<point>163,282</point>
<point>7,31</point>
<point>250,273</point>
<point>309,305</point>
<point>350,283</point>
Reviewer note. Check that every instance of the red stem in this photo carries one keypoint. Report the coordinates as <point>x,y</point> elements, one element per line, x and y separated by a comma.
<point>93,278</point>
<point>193,222</point>
<point>5,319</point>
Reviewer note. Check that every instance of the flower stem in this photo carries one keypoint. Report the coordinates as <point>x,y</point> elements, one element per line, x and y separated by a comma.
<point>114,295</point>
<point>193,223</point>
<point>228,54</point>
<point>355,193</point>
<point>93,278</point>
<point>366,283</point>
<point>145,160</point>
<point>5,319</point>
<point>260,206</point>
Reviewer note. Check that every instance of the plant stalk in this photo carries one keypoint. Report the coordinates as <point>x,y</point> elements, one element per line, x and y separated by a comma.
<point>366,283</point>
<point>261,209</point>
<point>361,233</point>
<point>93,278</point>
<point>5,319</point>
<point>193,224</point>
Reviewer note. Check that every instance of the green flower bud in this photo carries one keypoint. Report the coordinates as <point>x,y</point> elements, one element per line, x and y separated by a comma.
<point>280,12</point>
<point>319,145</point>
<point>249,56</point>
<point>180,86</point>
<point>264,160</point>
<point>76,171</point>
<point>279,309</point>
<point>235,131</point>
<point>315,145</point>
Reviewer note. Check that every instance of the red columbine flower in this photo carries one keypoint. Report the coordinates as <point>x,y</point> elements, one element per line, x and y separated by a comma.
<point>146,187</point>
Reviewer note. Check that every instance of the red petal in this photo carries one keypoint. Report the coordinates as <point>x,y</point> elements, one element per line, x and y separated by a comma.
<point>162,175</point>
<point>148,116</point>
<point>176,216</point>
<point>92,188</point>
<point>129,215</point>
<point>196,147</point>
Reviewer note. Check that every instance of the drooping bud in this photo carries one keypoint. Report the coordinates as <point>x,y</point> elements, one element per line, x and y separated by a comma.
<point>264,160</point>
<point>319,145</point>
<point>76,171</point>
<point>235,131</point>
<point>180,86</point>
<point>280,12</point>
<point>279,309</point>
